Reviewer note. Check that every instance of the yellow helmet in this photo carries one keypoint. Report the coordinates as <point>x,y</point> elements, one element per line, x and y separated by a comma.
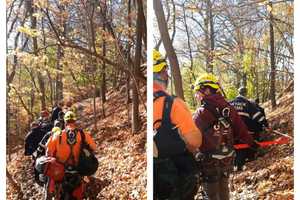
<point>70,116</point>
<point>206,80</point>
<point>56,129</point>
<point>158,61</point>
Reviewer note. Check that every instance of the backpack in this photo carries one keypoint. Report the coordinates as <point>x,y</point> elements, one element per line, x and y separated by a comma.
<point>166,137</point>
<point>87,162</point>
<point>218,134</point>
<point>175,168</point>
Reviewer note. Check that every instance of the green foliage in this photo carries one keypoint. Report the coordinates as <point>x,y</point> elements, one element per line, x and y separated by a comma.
<point>188,81</point>
<point>231,92</point>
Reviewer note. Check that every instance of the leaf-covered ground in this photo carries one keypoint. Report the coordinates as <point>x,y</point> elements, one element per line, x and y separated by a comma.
<point>122,156</point>
<point>272,175</point>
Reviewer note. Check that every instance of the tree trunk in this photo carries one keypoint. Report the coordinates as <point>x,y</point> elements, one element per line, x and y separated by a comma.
<point>59,55</point>
<point>137,63</point>
<point>35,49</point>
<point>103,82</point>
<point>59,81</point>
<point>211,37</point>
<point>163,29</point>
<point>192,77</point>
<point>272,58</point>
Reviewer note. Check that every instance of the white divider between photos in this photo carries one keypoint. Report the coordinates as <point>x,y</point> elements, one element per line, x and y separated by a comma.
<point>3,100</point>
<point>297,99</point>
<point>150,45</point>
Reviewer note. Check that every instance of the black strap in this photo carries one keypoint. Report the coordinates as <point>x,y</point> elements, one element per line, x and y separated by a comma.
<point>71,156</point>
<point>159,94</point>
<point>82,135</point>
<point>166,118</point>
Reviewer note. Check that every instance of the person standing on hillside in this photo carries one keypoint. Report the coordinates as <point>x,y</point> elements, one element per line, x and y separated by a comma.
<point>175,137</point>
<point>65,147</point>
<point>221,126</point>
<point>56,110</point>
<point>44,122</point>
<point>33,138</point>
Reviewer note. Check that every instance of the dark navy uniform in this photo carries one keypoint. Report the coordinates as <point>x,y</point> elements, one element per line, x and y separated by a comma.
<point>250,114</point>
<point>45,126</point>
<point>262,110</point>
<point>253,118</point>
<point>55,113</point>
<point>32,140</point>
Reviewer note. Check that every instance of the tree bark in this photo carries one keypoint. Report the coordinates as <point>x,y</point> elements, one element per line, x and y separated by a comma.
<point>137,63</point>
<point>163,29</point>
<point>209,36</point>
<point>35,50</point>
<point>192,77</point>
<point>272,59</point>
<point>59,81</point>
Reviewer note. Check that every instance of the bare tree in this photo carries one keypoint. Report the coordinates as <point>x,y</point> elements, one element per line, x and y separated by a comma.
<point>163,28</point>
<point>272,59</point>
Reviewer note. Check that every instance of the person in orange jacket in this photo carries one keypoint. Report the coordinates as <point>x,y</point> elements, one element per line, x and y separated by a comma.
<point>176,137</point>
<point>65,147</point>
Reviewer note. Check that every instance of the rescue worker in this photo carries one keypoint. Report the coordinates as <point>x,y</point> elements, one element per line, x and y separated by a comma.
<point>220,125</point>
<point>250,114</point>
<point>175,137</point>
<point>253,118</point>
<point>66,147</point>
<point>33,138</point>
<point>59,122</point>
<point>41,151</point>
<point>44,122</point>
<point>56,110</point>
<point>42,145</point>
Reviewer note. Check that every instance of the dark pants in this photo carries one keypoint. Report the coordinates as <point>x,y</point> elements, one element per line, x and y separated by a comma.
<point>215,175</point>
<point>170,183</point>
<point>243,156</point>
<point>217,190</point>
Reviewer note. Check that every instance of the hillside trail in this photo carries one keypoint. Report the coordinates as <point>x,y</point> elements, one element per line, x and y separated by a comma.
<point>121,154</point>
<point>271,176</point>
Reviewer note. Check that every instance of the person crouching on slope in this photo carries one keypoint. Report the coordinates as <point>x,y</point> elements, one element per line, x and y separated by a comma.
<point>175,137</point>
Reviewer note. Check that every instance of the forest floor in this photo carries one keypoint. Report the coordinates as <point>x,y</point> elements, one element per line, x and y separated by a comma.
<point>121,154</point>
<point>272,175</point>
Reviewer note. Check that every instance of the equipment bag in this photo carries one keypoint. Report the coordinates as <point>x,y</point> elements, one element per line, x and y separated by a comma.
<point>166,137</point>
<point>88,163</point>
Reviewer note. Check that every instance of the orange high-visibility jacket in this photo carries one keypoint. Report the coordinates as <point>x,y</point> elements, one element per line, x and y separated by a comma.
<point>181,117</point>
<point>58,147</point>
